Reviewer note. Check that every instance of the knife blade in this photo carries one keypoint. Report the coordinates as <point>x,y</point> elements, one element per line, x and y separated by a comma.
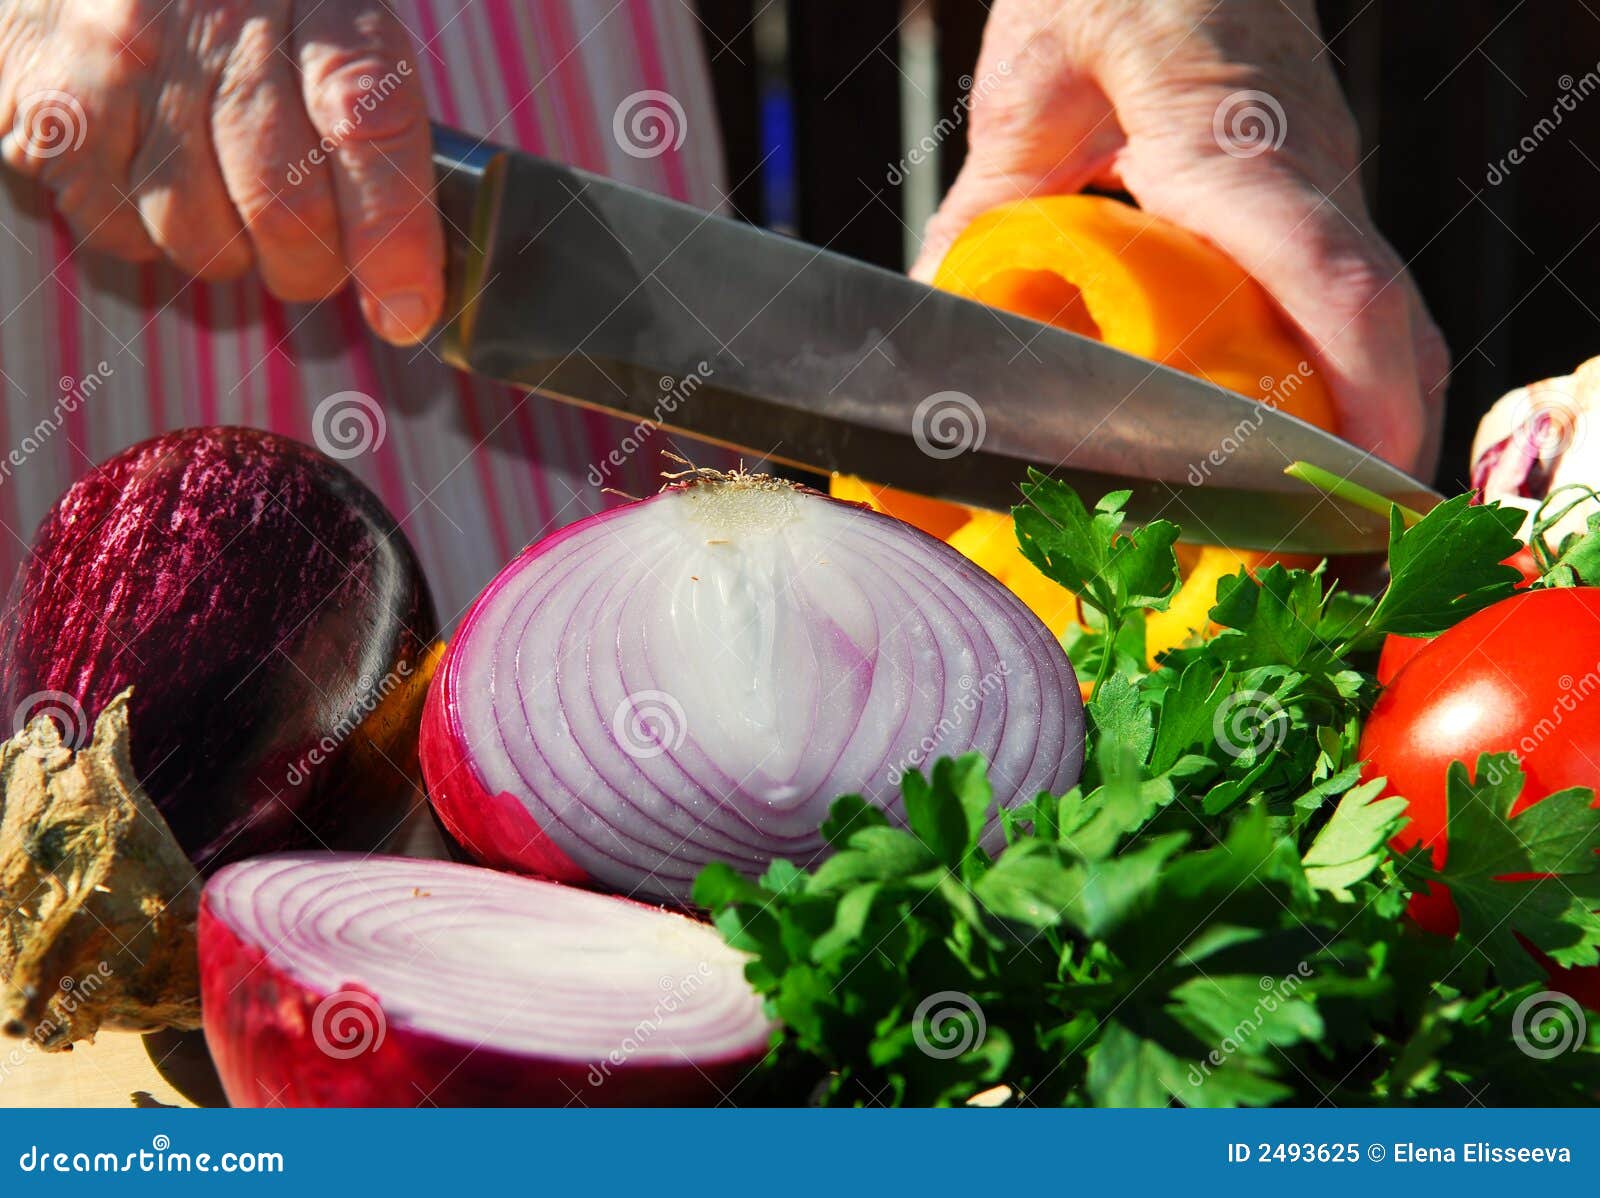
<point>597,293</point>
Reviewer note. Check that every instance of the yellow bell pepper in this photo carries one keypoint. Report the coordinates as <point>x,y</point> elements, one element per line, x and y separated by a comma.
<point>1104,269</point>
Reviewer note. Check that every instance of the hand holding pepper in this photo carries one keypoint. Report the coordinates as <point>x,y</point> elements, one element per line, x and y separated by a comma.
<point>1223,116</point>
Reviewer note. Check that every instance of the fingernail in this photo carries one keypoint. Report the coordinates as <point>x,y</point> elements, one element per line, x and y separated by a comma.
<point>402,316</point>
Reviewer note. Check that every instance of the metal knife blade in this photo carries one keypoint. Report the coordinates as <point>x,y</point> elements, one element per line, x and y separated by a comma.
<point>604,295</point>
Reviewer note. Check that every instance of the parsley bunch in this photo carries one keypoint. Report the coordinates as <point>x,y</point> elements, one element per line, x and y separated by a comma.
<point>1212,917</point>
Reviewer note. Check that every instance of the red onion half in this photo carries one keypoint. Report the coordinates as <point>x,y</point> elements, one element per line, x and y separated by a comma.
<point>336,980</point>
<point>697,676</point>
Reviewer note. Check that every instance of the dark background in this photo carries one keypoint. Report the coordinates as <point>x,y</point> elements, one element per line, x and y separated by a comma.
<point>1442,89</point>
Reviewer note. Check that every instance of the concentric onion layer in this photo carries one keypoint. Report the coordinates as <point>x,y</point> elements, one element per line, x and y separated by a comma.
<point>341,980</point>
<point>697,676</point>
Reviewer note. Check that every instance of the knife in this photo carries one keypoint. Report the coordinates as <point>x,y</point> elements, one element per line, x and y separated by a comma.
<point>600,294</point>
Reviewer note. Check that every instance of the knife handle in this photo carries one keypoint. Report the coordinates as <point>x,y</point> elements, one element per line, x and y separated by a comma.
<point>460,164</point>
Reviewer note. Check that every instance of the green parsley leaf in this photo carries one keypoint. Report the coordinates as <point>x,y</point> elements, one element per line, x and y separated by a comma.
<point>1354,840</point>
<point>1535,874</point>
<point>1447,566</point>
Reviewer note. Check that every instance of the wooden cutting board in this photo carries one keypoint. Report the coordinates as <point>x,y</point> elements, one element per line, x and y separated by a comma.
<point>120,1069</point>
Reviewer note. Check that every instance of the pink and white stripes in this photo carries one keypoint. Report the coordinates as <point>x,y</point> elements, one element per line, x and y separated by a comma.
<point>473,471</point>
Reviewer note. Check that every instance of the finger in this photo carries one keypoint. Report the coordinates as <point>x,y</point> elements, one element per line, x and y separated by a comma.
<point>275,172</point>
<point>178,189</point>
<point>363,95</point>
<point>1013,158</point>
<point>51,137</point>
<point>103,219</point>
<point>1329,271</point>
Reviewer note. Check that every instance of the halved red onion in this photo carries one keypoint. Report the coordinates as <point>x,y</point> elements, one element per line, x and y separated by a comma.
<point>332,979</point>
<point>697,676</point>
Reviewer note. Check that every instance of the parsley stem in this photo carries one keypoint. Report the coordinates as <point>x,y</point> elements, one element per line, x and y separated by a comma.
<point>1108,654</point>
<point>1351,493</point>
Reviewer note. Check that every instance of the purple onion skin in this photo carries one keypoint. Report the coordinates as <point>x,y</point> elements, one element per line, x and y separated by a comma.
<point>272,619</point>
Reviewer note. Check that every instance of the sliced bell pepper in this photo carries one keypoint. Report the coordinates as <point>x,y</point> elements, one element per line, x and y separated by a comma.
<point>1104,269</point>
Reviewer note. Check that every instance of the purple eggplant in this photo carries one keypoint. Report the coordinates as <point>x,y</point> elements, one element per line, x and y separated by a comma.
<point>273,623</point>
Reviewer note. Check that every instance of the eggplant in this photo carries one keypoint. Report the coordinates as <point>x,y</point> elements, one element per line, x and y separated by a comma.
<point>272,621</point>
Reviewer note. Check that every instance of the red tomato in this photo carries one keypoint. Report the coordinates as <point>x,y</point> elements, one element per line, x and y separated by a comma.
<point>1515,677</point>
<point>1397,650</point>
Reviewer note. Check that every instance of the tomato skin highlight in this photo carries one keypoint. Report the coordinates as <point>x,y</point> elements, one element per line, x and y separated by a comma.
<point>1509,679</point>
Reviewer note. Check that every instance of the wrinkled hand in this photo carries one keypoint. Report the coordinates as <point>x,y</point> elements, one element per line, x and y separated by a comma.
<point>1223,116</point>
<point>290,134</point>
